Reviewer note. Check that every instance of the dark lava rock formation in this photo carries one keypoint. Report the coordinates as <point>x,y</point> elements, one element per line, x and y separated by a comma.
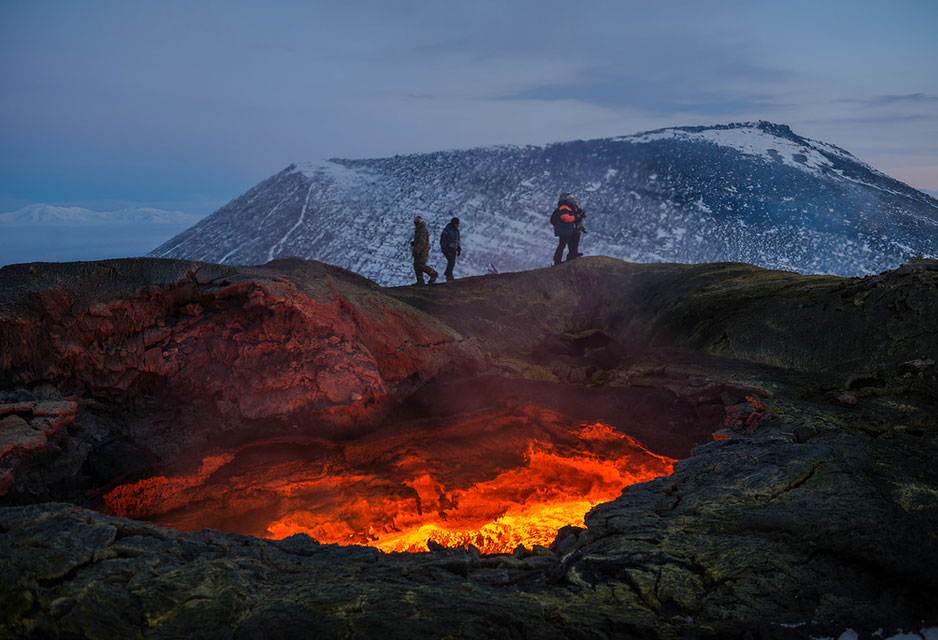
<point>804,410</point>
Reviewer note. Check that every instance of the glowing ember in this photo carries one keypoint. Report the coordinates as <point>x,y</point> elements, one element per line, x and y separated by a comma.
<point>492,480</point>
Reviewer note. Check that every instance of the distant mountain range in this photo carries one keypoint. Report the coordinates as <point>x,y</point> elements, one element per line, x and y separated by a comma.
<point>46,233</point>
<point>752,192</point>
<point>45,214</point>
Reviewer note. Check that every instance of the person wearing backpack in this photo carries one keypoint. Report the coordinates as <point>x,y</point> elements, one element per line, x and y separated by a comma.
<point>449,245</point>
<point>420,249</point>
<point>567,219</point>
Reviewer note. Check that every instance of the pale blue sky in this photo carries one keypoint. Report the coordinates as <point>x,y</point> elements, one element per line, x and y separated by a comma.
<point>185,105</point>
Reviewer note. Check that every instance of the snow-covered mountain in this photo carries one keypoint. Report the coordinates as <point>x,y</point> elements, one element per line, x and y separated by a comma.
<point>45,214</point>
<point>754,192</point>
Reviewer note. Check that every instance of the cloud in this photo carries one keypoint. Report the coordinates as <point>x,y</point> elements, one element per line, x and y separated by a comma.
<point>656,97</point>
<point>894,118</point>
<point>102,100</point>
<point>667,76</point>
<point>890,100</point>
<point>910,98</point>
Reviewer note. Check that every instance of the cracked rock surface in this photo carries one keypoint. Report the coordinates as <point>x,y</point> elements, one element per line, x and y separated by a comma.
<point>806,517</point>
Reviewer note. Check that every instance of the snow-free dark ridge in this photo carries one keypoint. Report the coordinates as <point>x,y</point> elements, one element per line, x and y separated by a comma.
<point>754,192</point>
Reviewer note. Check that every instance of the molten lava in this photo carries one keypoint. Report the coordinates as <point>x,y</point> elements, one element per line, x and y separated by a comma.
<point>492,481</point>
<point>524,505</point>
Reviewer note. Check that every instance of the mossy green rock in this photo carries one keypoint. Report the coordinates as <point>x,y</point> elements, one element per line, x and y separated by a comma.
<point>813,515</point>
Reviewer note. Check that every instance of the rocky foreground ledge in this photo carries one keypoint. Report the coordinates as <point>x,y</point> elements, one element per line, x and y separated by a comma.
<point>816,511</point>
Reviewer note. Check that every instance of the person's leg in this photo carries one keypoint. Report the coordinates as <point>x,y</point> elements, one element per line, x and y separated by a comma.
<point>419,266</point>
<point>430,271</point>
<point>573,245</point>
<point>450,263</point>
<point>558,254</point>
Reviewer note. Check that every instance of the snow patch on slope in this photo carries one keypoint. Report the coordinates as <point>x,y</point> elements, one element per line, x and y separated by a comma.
<point>751,140</point>
<point>340,174</point>
<point>275,249</point>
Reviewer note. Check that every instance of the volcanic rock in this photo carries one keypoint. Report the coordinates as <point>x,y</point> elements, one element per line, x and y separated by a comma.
<point>170,358</point>
<point>809,518</point>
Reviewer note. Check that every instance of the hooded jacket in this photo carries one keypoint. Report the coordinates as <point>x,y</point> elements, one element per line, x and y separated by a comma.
<point>564,218</point>
<point>449,239</point>
<point>421,243</point>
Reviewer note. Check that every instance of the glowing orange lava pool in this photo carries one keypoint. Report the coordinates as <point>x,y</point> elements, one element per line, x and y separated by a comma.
<point>492,481</point>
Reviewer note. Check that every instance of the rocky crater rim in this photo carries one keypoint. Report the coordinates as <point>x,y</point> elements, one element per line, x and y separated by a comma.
<point>810,507</point>
<point>143,387</point>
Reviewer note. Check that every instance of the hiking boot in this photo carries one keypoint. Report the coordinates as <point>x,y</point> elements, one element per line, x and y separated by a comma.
<point>433,278</point>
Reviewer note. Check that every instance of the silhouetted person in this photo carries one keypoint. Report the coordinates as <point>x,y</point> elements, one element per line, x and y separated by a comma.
<point>567,219</point>
<point>449,244</point>
<point>578,229</point>
<point>420,250</point>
